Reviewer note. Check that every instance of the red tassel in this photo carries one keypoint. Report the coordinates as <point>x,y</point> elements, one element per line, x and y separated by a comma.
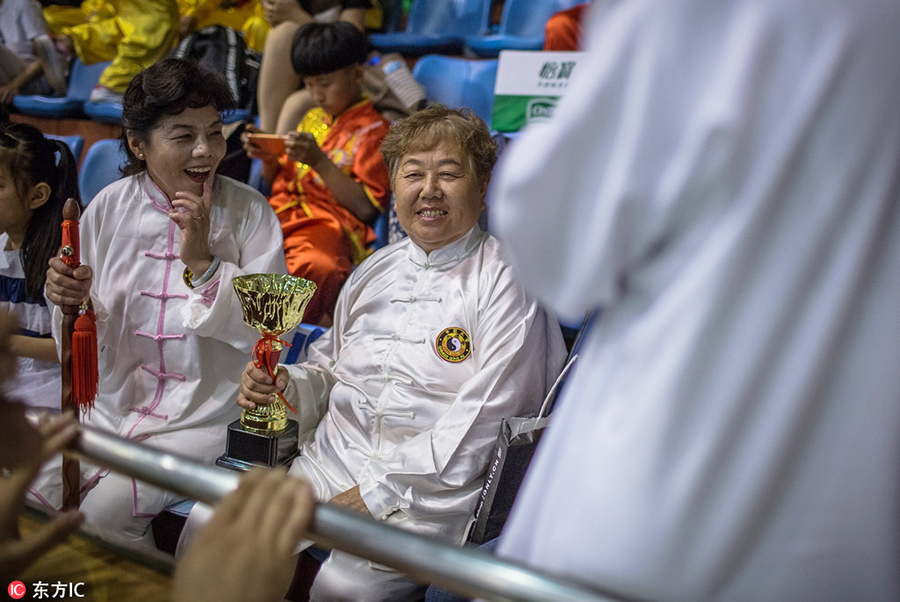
<point>265,356</point>
<point>84,361</point>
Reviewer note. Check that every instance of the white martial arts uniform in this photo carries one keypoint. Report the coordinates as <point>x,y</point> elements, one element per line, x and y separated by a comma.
<point>170,358</point>
<point>723,180</point>
<point>379,406</point>
<point>37,382</point>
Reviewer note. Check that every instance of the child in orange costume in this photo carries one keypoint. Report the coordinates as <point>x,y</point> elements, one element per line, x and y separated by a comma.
<point>563,30</point>
<point>331,183</point>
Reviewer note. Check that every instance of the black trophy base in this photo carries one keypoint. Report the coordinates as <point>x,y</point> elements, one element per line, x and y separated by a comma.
<point>244,448</point>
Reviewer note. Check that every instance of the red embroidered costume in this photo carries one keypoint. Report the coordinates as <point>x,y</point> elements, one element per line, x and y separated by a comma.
<point>322,239</point>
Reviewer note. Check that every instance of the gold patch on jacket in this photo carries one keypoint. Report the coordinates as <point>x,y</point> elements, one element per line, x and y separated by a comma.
<point>453,344</point>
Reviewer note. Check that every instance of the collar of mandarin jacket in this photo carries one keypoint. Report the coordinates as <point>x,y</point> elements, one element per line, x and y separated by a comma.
<point>455,252</point>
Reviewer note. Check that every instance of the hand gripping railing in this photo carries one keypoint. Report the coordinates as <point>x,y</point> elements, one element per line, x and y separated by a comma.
<point>467,571</point>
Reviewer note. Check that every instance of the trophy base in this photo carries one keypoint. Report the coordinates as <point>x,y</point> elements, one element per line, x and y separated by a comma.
<point>245,448</point>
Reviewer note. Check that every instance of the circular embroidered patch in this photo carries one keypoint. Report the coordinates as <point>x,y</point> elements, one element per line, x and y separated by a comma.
<point>453,344</point>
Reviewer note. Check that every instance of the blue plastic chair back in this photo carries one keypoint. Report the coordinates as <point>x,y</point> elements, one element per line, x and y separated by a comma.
<point>102,166</point>
<point>104,112</point>
<point>458,82</point>
<point>75,144</point>
<point>447,16</point>
<point>436,26</point>
<point>111,112</point>
<point>521,27</point>
<point>381,230</point>
<point>235,115</point>
<point>82,80</point>
<point>303,337</point>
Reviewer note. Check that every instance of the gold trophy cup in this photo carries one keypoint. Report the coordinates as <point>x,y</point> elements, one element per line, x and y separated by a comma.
<point>272,304</point>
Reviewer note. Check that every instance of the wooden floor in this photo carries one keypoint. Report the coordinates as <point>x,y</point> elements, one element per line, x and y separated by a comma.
<point>108,574</point>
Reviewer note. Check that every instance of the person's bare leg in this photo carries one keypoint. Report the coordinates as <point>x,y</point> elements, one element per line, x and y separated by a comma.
<point>277,78</point>
<point>294,109</point>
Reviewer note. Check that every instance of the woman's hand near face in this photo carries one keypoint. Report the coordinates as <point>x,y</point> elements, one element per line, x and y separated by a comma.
<point>302,147</point>
<point>191,214</point>
<point>66,286</point>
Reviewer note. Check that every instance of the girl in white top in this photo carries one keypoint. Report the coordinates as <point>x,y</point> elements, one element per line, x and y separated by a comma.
<point>37,175</point>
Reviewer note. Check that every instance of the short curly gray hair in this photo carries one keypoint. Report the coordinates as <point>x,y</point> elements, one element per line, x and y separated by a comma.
<point>425,130</point>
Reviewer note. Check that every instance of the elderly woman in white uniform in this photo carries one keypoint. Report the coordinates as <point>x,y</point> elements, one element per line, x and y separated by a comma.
<point>159,249</point>
<point>434,342</point>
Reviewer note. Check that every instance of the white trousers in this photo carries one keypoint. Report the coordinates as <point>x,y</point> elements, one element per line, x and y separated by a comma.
<point>107,502</point>
<point>347,578</point>
<point>343,577</point>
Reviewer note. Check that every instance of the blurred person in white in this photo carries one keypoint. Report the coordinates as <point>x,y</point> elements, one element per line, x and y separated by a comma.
<point>725,185</point>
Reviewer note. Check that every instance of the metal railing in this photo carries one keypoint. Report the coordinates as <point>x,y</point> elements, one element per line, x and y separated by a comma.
<point>467,571</point>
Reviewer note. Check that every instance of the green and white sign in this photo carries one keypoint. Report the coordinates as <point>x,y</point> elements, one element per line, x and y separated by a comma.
<point>529,84</point>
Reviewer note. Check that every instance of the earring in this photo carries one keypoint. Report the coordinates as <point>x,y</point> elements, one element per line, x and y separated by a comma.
<point>141,156</point>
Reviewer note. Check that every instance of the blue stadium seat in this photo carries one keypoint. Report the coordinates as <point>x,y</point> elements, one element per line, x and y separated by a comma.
<point>521,27</point>
<point>381,230</point>
<point>236,115</point>
<point>75,144</point>
<point>81,81</point>
<point>303,337</point>
<point>111,112</point>
<point>101,167</point>
<point>436,26</point>
<point>104,112</point>
<point>458,82</point>
<point>256,179</point>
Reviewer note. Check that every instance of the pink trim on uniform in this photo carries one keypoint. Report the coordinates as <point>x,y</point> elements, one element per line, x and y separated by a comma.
<point>210,292</point>
<point>41,499</point>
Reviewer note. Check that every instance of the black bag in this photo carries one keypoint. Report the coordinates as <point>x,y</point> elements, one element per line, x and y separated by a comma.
<point>223,50</point>
<point>515,446</point>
